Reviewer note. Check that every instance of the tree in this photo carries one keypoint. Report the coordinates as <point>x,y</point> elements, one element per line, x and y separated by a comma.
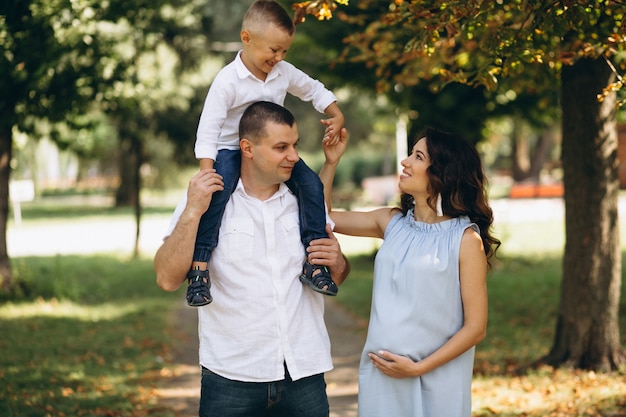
<point>428,101</point>
<point>132,60</point>
<point>40,77</point>
<point>528,47</point>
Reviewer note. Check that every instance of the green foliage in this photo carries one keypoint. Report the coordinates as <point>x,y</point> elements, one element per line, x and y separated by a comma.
<point>425,95</point>
<point>40,74</point>
<point>137,61</point>
<point>483,43</point>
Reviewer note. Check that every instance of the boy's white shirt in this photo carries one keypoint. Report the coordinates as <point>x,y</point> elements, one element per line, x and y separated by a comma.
<point>235,88</point>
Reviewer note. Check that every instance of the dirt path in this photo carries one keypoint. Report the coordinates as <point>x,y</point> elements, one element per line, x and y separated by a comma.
<point>179,387</point>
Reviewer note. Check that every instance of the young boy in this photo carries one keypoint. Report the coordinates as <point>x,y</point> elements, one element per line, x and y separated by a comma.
<point>259,73</point>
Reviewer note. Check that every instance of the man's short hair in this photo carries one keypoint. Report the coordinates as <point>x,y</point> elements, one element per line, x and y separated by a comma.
<point>257,115</point>
<point>263,12</point>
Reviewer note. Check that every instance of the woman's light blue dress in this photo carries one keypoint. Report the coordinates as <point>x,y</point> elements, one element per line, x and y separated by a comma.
<point>416,308</point>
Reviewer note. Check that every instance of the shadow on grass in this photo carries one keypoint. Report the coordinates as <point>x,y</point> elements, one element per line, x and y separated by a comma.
<point>81,341</point>
<point>58,365</point>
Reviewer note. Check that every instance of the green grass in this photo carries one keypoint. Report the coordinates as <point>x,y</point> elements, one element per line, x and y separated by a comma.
<point>81,338</point>
<point>86,208</point>
<point>85,335</point>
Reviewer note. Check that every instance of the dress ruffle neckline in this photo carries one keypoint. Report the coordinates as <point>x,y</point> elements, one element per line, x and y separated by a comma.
<point>432,227</point>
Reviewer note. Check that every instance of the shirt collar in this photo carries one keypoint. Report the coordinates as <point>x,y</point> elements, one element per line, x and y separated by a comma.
<point>243,72</point>
<point>282,190</point>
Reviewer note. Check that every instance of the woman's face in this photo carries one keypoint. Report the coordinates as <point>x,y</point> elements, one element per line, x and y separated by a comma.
<point>413,179</point>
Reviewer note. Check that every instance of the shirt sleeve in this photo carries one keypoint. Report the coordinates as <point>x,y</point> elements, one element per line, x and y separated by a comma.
<point>214,113</point>
<point>307,88</point>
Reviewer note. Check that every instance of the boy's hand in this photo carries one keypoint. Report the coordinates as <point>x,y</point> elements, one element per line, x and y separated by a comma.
<point>333,130</point>
<point>334,152</point>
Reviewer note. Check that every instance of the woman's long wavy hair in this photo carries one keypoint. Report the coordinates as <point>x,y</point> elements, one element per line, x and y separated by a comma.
<point>456,173</point>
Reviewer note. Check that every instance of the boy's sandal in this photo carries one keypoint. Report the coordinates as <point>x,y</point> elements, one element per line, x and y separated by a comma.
<point>199,288</point>
<point>317,277</point>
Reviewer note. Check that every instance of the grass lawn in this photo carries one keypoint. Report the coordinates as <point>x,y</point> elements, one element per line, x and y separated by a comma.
<point>87,333</point>
<point>82,338</point>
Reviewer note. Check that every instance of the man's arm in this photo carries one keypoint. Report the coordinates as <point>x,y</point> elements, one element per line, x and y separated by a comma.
<point>327,252</point>
<point>332,154</point>
<point>173,259</point>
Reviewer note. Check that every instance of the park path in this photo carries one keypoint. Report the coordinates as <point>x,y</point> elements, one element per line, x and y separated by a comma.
<point>178,387</point>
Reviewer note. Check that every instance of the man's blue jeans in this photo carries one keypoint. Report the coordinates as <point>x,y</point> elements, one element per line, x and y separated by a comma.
<point>221,397</point>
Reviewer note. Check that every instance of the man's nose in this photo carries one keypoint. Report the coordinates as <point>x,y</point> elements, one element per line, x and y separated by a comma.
<point>293,155</point>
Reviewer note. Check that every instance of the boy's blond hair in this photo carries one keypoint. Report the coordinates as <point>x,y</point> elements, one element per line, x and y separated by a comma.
<point>263,12</point>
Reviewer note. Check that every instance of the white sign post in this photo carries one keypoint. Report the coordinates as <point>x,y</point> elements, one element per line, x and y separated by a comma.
<point>23,190</point>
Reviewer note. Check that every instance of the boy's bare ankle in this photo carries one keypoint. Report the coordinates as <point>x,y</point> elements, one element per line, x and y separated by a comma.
<point>202,266</point>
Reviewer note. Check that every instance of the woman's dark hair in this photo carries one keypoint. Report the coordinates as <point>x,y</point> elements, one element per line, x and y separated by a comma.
<point>456,173</point>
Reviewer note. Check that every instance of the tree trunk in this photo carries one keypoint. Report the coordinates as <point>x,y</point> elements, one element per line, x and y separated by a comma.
<point>541,154</point>
<point>138,149</point>
<point>587,332</point>
<point>6,146</point>
<point>520,153</point>
<point>129,169</point>
<point>128,193</point>
<point>527,161</point>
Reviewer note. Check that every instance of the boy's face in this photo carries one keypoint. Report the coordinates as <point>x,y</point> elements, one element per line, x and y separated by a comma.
<point>263,50</point>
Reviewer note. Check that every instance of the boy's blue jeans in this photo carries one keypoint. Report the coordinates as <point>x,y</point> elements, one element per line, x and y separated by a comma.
<point>221,397</point>
<point>304,183</point>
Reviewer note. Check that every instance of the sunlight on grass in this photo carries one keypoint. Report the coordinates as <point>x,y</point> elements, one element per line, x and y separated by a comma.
<point>549,392</point>
<point>68,309</point>
<point>80,344</point>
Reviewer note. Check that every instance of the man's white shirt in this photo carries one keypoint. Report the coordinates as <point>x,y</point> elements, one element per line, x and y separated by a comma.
<point>261,316</point>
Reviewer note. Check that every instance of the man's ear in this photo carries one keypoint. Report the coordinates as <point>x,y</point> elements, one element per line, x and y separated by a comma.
<point>245,37</point>
<point>246,148</point>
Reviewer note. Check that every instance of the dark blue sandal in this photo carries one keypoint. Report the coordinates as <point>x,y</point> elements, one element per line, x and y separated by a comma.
<point>199,288</point>
<point>317,277</point>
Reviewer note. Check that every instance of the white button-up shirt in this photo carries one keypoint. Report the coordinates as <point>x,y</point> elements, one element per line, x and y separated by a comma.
<point>261,316</point>
<point>235,88</point>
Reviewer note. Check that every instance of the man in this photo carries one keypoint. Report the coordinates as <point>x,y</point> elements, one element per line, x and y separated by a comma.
<point>264,347</point>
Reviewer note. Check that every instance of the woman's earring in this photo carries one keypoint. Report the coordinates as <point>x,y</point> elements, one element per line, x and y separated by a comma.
<point>439,208</point>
